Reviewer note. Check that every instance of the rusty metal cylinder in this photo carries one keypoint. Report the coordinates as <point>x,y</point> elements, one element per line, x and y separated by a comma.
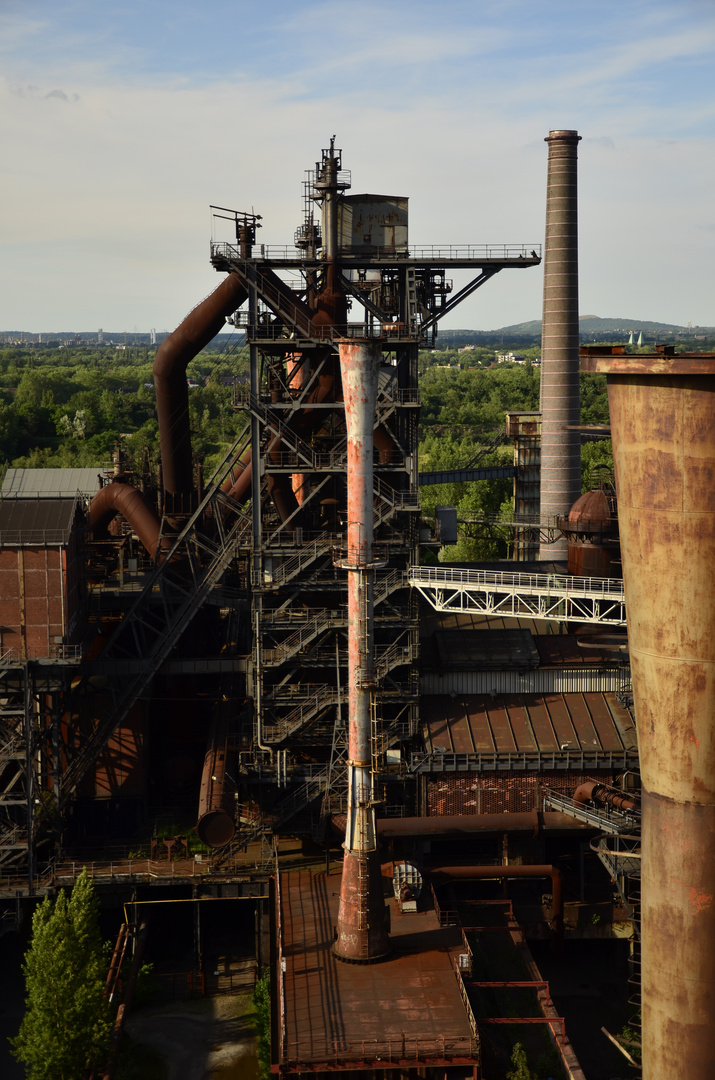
<point>663,423</point>
<point>361,930</point>
<point>560,393</point>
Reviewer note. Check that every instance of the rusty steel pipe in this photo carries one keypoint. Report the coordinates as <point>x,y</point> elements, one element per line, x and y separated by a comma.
<point>468,824</point>
<point>361,930</point>
<point>662,411</point>
<point>120,498</point>
<point>472,873</point>
<point>172,394</point>
<point>592,790</point>
<point>560,392</point>
<point>216,825</point>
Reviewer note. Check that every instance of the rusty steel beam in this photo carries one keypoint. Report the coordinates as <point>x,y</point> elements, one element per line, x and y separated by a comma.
<point>662,411</point>
<point>474,873</point>
<point>361,931</point>
<point>560,393</point>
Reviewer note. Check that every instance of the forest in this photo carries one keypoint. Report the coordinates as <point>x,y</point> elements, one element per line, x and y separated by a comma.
<point>68,408</point>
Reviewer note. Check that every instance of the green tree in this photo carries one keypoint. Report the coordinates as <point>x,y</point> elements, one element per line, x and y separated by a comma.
<point>66,1022</point>
<point>519,1060</point>
<point>262,1021</point>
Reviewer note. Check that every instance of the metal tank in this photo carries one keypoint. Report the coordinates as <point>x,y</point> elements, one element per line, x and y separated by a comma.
<point>663,423</point>
<point>560,392</point>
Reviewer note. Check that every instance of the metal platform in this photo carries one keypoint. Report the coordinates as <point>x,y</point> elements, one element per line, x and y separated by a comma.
<point>408,1011</point>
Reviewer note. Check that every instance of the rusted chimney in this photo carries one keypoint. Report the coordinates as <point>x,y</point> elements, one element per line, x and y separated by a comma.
<point>560,395</point>
<point>662,410</point>
<point>361,930</point>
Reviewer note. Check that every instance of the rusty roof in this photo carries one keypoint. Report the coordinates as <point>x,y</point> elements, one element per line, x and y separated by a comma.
<point>406,1009</point>
<point>524,723</point>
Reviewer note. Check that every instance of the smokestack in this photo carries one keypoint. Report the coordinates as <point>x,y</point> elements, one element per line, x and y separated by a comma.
<point>361,930</point>
<point>664,452</point>
<point>560,395</point>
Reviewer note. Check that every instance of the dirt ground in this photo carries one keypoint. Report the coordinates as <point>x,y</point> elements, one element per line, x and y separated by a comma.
<point>208,1039</point>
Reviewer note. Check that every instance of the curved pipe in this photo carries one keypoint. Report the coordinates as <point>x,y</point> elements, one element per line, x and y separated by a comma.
<point>120,498</point>
<point>592,791</point>
<point>472,873</point>
<point>172,394</point>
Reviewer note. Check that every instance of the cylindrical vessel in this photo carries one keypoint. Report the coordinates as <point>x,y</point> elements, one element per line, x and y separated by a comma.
<point>560,394</point>
<point>663,423</point>
<point>361,930</point>
<point>216,824</point>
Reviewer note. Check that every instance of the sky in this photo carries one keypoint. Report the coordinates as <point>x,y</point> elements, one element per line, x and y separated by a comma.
<point>122,121</point>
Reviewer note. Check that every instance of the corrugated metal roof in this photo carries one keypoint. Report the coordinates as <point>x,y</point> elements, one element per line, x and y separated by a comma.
<point>524,723</point>
<point>49,483</point>
<point>36,522</point>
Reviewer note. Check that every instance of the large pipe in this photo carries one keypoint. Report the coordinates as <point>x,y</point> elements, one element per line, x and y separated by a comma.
<point>119,498</point>
<point>471,873</point>
<point>361,929</point>
<point>663,426</point>
<point>172,394</point>
<point>592,791</point>
<point>216,824</point>
<point>560,394</point>
<point>468,824</point>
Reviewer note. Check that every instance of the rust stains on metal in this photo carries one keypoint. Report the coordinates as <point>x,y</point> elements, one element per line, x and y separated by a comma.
<point>361,929</point>
<point>662,417</point>
<point>480,873</point>
<point>337,1016</point>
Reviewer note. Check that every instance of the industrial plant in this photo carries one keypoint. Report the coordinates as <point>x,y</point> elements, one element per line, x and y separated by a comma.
<point>275,652</point>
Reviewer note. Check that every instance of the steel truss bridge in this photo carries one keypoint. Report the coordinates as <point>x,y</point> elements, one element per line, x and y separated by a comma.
<point>534,596</point>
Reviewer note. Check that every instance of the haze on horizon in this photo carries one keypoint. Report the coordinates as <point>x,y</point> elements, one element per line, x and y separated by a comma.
<point>122,123</point>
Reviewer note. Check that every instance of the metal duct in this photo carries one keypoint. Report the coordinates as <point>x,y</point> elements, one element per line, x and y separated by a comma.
<point>119,498</point>
<point>471,873</point>
<point>663,424</point>
<point>560,394</point>
<point>361,930</point>
<point>172,394</point>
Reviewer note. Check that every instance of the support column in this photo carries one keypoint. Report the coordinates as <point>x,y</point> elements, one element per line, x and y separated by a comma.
<point>662,410</point>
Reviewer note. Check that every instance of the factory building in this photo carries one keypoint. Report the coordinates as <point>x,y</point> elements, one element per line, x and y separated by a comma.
<point>262,651</point>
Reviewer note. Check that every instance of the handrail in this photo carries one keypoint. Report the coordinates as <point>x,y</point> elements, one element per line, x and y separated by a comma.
<point>471,252</point>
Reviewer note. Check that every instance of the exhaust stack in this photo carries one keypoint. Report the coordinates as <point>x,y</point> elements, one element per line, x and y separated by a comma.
<point>664,452</point>
<point>560,392</point>
<point>361,930</point>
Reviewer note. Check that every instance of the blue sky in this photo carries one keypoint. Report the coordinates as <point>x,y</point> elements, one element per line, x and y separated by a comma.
<point>121,121</point>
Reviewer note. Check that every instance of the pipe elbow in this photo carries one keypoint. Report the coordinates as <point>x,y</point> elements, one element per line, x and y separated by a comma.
<point>121,498</point>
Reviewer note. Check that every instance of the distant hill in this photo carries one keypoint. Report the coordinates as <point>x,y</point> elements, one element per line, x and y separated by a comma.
<point>594,324</point>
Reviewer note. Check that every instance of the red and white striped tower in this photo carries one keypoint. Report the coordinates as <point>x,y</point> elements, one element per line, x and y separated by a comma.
<point>362,930</point>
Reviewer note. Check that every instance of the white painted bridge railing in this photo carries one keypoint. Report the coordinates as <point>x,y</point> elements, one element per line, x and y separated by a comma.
<point>511,595</point>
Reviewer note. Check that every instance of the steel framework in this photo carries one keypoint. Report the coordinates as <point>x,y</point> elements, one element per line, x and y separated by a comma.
<point>541,596</point>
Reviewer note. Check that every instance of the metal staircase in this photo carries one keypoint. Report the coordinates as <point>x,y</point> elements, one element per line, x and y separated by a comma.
<point>173,593</point>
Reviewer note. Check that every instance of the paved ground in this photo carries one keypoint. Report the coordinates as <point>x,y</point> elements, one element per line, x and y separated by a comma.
<point>201,1040</point>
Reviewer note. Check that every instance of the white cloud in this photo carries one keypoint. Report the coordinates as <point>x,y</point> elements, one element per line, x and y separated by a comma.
<point>109,168</point>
